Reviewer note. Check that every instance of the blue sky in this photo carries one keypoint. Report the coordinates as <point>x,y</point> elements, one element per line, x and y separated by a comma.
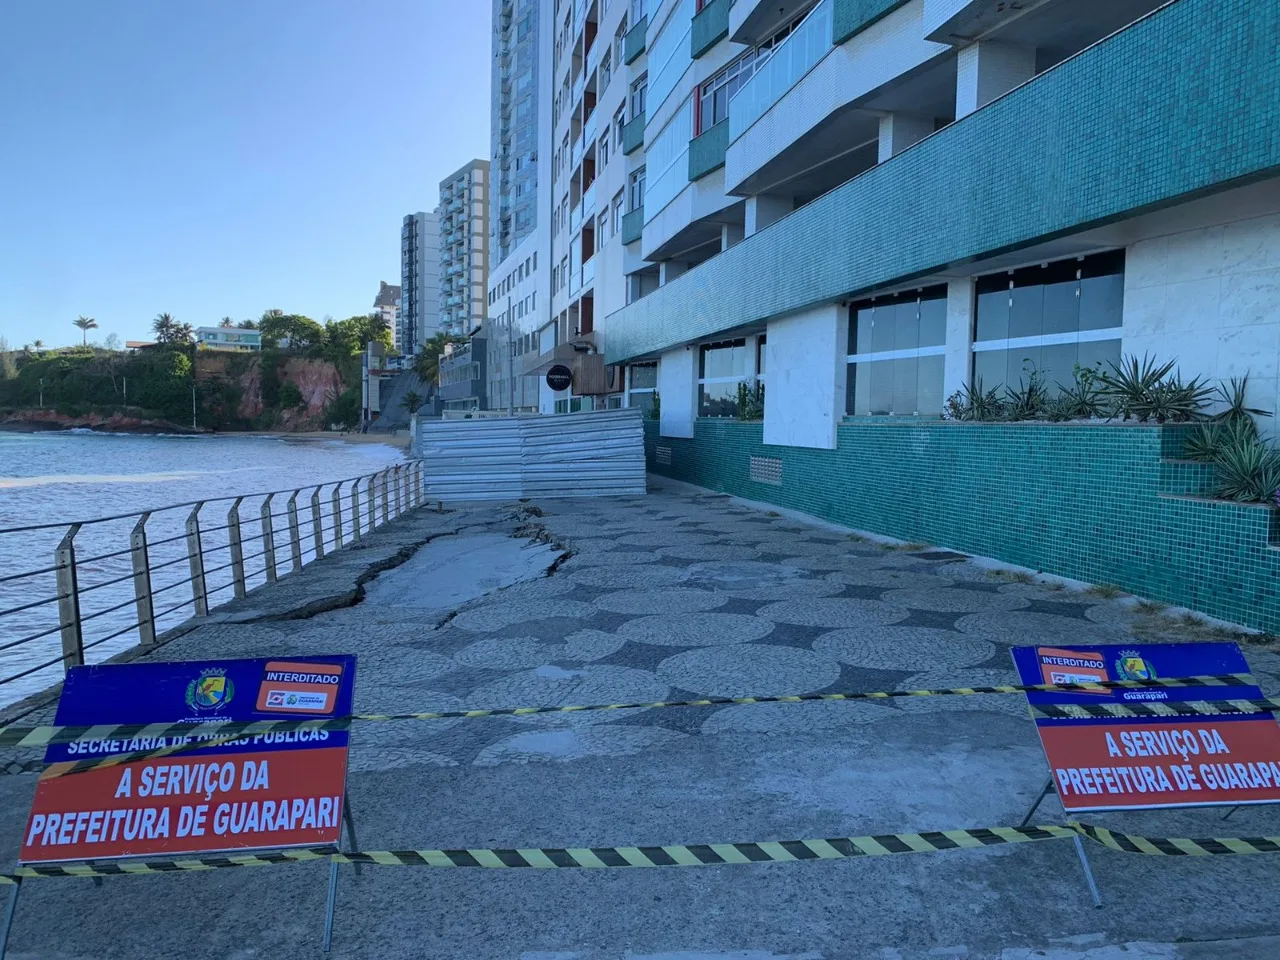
<point>220,157</point>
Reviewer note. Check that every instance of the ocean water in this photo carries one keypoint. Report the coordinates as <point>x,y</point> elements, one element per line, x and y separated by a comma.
<point>66,477</point>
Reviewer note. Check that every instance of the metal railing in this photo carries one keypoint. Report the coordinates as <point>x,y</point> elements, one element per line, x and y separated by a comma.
<point>119,581</point>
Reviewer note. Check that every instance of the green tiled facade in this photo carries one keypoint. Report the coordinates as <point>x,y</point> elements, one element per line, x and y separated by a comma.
<point>851,17</point>
<point>633,134</point>
<point>1127,125</point>
<point>706,151</point>
<point>633,42</point>
<point>1096,503</point>
<point>710,26</point>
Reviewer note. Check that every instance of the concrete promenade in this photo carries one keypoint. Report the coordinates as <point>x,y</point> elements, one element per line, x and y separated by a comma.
<point>676,595</point>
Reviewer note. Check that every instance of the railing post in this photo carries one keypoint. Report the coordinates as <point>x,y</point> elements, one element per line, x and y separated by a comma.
<point>295,540</point>
<point>373,496</point>
<point>396,492</point>
<point>142,582</point>
<point>355,511</point>
<point>69,600</point>
<point>268,539</point>
<point>337,516</point>
<point>317,527</point>
<point>417,482</point>
<point>195,559</point>
<point>237,549</point>
<point>385,506</point>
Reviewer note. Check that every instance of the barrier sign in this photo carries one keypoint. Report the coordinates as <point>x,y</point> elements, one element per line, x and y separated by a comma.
<point>268,790</point>
<point>1103,763</point>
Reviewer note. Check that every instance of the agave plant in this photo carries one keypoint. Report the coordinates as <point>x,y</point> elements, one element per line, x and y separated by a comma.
<point>1143,389</point>
<point>1248,470</point>
<point>1232,394</point>
<point>972,402</point>
<point>1208,439</point>
<point>1029,400</point>
<point>1082,399</point>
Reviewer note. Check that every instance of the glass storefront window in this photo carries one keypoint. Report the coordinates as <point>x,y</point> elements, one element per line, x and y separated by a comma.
<point>896,347</point>
<point>721,367</point>
<point>1048,318</point>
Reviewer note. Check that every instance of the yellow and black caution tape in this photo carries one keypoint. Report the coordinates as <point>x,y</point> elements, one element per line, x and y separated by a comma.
<point>1178,846</point>
<point>1154,708</point>
<point>18,737</point>
<point>678,855</point>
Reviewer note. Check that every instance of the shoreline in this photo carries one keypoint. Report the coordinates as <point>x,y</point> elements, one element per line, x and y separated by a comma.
<point>400,439</point>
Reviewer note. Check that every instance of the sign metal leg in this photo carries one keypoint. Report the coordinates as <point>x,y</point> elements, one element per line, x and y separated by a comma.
<point>8,918</point>
<point>1047,789</point>
<point>330,904</point>
<point>1227,815</point>
<point>1088,872</point>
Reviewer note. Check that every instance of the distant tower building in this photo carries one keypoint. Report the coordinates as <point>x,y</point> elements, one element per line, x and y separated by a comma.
<point>464,248</point>
<point>419,281</point>
<point>387,305</point>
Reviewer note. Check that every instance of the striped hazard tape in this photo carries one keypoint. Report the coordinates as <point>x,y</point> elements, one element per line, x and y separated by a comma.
<point>1178,846</point>
<point>18,737</point>
<point>1155,708</point>
<point>680,855</point>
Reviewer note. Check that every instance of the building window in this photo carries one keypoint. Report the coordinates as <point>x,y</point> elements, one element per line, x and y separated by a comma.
<point>620,42</point>
<point>1048,318</point>
<point>760,355</point>
<point>602,231</point>
<point>636,184</point>
<point>896,347</point>
<point>642,384</point>
<point>619,122</point>
<point>606,69</point>
<point>639,91</point>
<point>603,152</point>
<point>714,95</point>
<point>619,208</point>
<point>721,367</point>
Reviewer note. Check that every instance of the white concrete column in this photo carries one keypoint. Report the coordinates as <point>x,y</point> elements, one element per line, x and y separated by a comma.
<point>765,209</point>
<point>668,270</point>
<point>730,233</point>
<point>678,391</point>
<point>899,131</point>
<point>957,361</point>
<point>805,393</point>
<point>988,69</point>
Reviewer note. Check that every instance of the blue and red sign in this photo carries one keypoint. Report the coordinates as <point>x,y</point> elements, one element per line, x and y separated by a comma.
<point>1150,762</point>
<point>269,790</point>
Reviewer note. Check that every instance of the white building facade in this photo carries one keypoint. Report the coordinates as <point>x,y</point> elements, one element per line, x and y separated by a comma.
<point>464,248</point>
<point>419,318</point>
<point>517,300</point>
<point>387,306</point>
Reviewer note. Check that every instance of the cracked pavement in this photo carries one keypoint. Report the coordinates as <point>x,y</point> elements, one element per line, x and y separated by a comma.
<point>677,595</point>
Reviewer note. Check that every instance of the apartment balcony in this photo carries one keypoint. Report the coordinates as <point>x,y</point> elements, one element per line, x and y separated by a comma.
<point>710,26</point>
<point>579,87</point>
<point>588,274</point>
<point>575,282</point>
<point>793,58</point>
<point>707,150</point>
<point>575,157</point>
<point>633,134</point>
<point>633,225</point>
<point>633,42</point>
<point>575,217</point>
<point>590,128</point>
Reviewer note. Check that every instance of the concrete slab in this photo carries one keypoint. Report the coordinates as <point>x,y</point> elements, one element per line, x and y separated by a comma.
<point>674,596</point>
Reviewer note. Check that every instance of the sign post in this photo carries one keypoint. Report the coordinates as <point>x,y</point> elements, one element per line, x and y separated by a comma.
<point>264,791</point>
<point>1149,763</point>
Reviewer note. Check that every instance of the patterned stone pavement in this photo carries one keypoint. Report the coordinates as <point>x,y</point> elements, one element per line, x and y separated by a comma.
<point>678,595</point>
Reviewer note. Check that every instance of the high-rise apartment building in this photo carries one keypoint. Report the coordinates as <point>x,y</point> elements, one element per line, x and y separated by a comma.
<point>519,204</point>
<point>464,248</point>
<point>419,281</point>
<point>387,306</point>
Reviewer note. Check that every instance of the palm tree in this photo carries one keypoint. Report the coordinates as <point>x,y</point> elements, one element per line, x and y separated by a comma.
<point>85,324</point>
<point>38,344</point>
<point>226,323</point>
<point>412,402</point>
<point>164,326</point>
<point>427,363</point>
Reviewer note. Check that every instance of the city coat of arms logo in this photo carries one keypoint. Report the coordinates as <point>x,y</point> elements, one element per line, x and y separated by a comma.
<point>1130,666</point>
<point>212,690</point>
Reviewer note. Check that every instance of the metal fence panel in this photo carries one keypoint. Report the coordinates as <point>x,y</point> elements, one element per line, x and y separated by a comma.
<point>571,455</point>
